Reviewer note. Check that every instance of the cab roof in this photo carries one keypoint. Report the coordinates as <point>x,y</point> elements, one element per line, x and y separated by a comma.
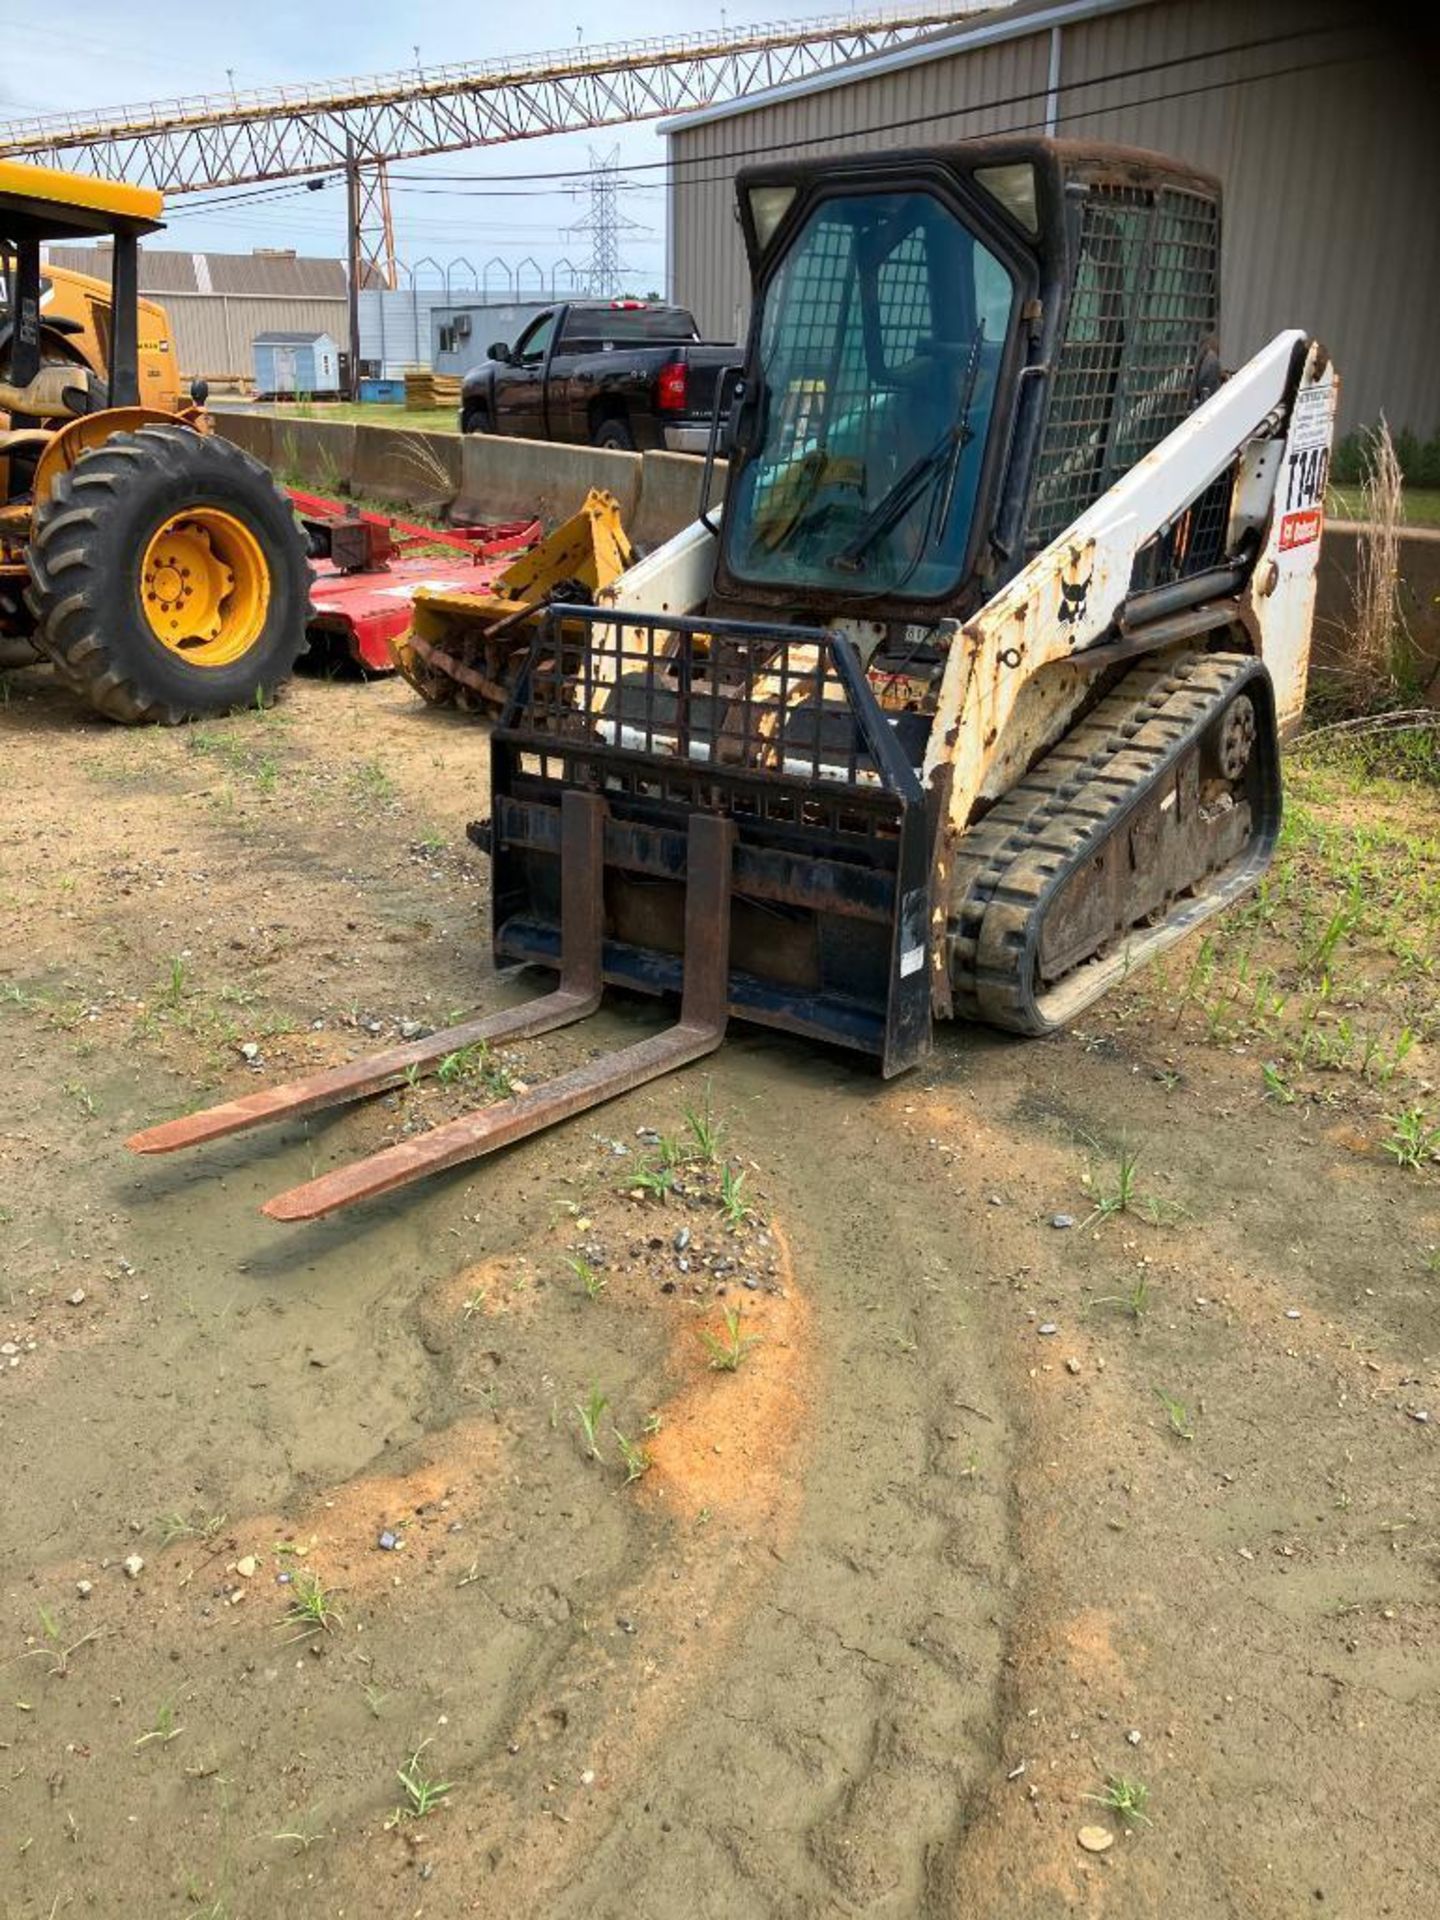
<point>43,203</point>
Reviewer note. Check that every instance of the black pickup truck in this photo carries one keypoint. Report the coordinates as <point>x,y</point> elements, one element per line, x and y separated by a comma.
<point>615,373</point>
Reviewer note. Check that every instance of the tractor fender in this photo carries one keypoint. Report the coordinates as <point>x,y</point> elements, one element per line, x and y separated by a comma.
<point>93,430</point>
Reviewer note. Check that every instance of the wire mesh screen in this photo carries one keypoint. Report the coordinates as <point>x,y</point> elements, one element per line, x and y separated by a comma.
<point>902,299</point>
<point>1146,300</point>
<point>782,704</point>
<point>817,346</point>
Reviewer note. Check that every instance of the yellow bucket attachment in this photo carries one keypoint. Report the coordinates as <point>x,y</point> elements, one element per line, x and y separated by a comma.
<point>461,649</point>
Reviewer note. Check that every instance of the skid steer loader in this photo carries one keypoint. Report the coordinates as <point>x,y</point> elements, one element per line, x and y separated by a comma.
<point>157,567</point>
<point>970,703</point>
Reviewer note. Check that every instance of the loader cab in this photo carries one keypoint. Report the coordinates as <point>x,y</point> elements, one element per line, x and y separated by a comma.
<point>951,353</point>
<point>39,205</point>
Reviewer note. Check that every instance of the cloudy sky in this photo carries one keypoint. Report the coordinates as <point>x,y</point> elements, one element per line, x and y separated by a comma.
<point>110,57</point>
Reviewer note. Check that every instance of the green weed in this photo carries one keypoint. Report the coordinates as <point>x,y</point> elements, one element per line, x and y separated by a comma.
<point>176,986</point>
<point>174,1526</point>
<point>1277,1088</point>
<point>1413,1140</point>
<point>165,1729</point>
<point>705,1130</point>
<point>636,1458</point>
<point>728,1352</point>
<point>732,1201</point>
<point>422,1794</point>
<point>591,1279</point>
<point>591,1410</point>
<point>1126,1799</point>
<point>307,1830</point>
<point>370,782</point>
<point>1177,1415</point>
<point>1117,1197</point>
<point>1135,1302</point>
<point>311,1608</point>
<point>658,1181</point>
<point>476,1062</point>
<point>1342,923</point>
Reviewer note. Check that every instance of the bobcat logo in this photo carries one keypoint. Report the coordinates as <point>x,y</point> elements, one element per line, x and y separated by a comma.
<point>1075,589</point>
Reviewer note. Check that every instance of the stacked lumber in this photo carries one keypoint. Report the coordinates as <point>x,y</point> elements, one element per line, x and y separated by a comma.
<point>425,390</point>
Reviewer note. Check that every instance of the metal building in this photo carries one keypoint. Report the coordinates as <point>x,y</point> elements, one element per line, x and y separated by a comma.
<point>218,303</point>
<point>461,337</point>
<point>1318,116</point>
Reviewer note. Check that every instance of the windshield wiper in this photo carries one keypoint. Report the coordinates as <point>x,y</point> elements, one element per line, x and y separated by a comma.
<point>943,457</point>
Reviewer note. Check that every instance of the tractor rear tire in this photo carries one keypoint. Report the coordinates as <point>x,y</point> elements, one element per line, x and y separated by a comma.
<point>168,578</point>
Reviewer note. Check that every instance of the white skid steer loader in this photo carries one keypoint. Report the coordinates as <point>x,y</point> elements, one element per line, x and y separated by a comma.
<point>970,699</point>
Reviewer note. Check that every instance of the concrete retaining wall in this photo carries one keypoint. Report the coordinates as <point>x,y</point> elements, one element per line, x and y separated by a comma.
<point>1419,593</point>
<point>314,453</point>
<point>478,476</point>
<point>405,468</point>
<point>670,496</point>
<point>255,432</point>
<point>483,477</point>
<point>510,479</point>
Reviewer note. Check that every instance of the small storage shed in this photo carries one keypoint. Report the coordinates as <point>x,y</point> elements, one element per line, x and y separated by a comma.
<point>291,364</point>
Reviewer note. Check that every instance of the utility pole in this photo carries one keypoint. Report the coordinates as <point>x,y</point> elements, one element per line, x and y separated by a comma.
<point>352,236</point>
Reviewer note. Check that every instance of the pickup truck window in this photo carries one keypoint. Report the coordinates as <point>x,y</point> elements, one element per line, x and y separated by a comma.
<point>533,345</point>
<point>592,329</point>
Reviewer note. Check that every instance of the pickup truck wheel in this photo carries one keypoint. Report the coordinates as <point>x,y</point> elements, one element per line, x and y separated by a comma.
<point>614,433</point>
<point>476,420</point>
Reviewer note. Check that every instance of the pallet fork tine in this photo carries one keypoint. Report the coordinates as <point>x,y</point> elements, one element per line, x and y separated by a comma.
<point>578,994</point>
<point>699,1030</point>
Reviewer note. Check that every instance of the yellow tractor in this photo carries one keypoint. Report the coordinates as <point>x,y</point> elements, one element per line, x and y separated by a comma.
<point>158,568</point>
<point>75,329</point>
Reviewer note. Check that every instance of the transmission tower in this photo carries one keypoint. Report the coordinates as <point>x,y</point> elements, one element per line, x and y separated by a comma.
<point>605,272</point>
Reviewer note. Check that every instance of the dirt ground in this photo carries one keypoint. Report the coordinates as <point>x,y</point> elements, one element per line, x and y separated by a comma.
<point>1077,1449</point>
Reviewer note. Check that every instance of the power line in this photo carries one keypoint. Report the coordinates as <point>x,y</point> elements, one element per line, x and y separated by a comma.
<point>724,174</point>
<point>671,163</point>
<point>485,183</point>
<point>677,178</point>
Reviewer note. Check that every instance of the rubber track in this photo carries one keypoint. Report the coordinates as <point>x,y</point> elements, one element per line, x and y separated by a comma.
<point>1048,820</point>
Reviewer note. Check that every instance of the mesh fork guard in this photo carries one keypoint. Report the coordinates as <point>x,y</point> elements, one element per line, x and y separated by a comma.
<point>829,888</point>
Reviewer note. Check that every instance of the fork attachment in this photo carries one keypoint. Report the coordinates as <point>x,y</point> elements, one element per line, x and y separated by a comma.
<point>699,1030</point>
<point>578,994</point>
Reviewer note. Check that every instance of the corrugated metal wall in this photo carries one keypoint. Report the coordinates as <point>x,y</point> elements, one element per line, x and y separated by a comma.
<point>218,302</point>
<point>1332,175</point>
<point>214,332</point>
<point>706,252</point>
<point>395,326</point>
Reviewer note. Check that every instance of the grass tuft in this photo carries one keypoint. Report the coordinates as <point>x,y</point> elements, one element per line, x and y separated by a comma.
<point>728,1351</point>
<point>591,1410</point>
<point>422,1794</point>
<point>1177,1415</point>
<point>1413,1139</point>
<point>1126,1799</point>
<point>311,1607</point>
